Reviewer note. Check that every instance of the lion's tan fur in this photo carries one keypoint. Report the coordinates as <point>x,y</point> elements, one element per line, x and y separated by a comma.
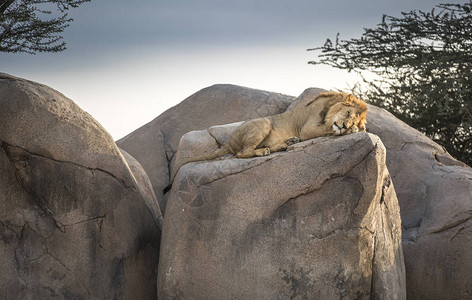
<point>329,113</point>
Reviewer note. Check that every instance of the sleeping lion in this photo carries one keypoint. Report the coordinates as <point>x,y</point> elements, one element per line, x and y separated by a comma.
<point>327,114</point>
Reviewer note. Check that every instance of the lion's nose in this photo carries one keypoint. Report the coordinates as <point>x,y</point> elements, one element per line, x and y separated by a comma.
<point>344,126</point>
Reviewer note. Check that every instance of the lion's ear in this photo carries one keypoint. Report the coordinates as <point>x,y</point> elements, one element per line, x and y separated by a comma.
<point>350,100</point>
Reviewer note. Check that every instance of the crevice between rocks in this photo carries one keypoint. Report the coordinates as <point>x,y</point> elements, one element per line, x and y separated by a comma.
<point>168,151</point>
<point>372,280</point>
<point>383,204</point>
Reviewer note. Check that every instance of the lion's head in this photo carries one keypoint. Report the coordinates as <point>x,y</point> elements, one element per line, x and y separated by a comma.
<point>344,113</point>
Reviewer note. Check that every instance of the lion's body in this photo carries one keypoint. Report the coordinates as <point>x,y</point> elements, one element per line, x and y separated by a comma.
<point>327,114</point>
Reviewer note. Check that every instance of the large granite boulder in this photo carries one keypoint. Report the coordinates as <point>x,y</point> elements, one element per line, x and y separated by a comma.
<point>74,223</point>
<point>435,195</point>
<point>319,221</point>
<point>155,144</point>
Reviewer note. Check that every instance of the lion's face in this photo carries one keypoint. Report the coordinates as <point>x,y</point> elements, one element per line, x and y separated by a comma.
<point>344,118</point>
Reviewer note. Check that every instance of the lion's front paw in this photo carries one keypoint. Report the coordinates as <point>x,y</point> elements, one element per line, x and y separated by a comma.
<point>292,140</point>
<point>352,129</point>
<point>265,151</point>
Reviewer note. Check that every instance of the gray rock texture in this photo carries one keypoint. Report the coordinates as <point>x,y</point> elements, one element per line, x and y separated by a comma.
<point>154,144</point>
<point>320,221</point>
<point>435,195</point>
<point>74,223</point>
<point>145,187</point>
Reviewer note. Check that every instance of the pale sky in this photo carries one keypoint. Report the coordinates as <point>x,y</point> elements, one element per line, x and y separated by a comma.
<point>129,61</point>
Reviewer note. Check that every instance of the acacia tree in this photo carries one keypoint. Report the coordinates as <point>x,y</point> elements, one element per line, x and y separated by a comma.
<point>33,26</point>
<point>422,67</point>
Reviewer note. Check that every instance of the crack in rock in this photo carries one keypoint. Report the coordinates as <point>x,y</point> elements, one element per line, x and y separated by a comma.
<point>98,219</point>
<point>84,286</point>
<point>218,143</point>
<point>6,147</point>
<point>453,224</point>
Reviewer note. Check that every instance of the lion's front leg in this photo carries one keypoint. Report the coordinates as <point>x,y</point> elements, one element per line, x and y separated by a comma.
<point>313,130</point>
<point>250,152</point>
<point>283,146</point>
<point>279,147</point>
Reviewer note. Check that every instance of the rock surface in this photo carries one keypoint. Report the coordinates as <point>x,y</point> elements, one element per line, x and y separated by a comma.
<point>435,195</point>
<point>73,221</point>
<point>154,144</point>
<point>320,221</point>
<point>145,187</point>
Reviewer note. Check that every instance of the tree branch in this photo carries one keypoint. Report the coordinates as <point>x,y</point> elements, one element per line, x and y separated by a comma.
<point>4,4</point>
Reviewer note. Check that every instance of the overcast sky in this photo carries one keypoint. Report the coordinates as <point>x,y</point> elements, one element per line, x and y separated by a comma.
<point>128,61</point>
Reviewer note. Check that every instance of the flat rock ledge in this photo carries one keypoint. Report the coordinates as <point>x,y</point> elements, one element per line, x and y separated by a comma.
<point>319,221</point>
